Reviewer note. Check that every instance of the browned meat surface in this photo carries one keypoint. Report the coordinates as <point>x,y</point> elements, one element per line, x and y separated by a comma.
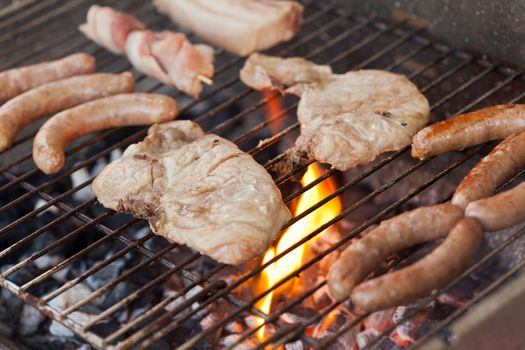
<point>17,80</point>
<point>282,74</point>
<point>107,112</point>
<point>465,130</point>
<point>346,119</point>
<point>196,189</point>
<point>56,96</point>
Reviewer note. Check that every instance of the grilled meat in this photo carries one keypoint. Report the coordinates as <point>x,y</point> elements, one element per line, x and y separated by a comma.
<point>109,28</point>
<point>465,130</point>
<point>346,119</point>
<point>196,189</point>
<point>282,74</point>
<point>171,58</point>
<point>238,26</point>
<point>56,96</point>
<point>107,112</point>
<point>18,80</point>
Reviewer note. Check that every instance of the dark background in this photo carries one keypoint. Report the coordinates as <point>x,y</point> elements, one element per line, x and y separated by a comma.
<point>494,27</point>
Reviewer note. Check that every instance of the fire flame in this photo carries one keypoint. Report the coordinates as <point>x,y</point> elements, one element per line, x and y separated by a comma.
<point>294,259</point>
<point>272,110</point>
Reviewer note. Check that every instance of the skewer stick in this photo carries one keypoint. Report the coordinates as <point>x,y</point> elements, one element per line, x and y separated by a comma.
<point>205,80</point>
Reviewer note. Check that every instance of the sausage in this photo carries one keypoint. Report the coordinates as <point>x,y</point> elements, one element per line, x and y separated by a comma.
<point>107,112</point>
<point>500,164</point>
<point>403,231</point>
<point>56,96</point>
<point>17,80</point>
<point>500,211</point>
<point>433,271</point>
<point>492,123</point>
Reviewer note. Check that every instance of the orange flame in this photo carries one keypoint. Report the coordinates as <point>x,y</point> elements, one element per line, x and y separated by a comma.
<point>272,110</point>
<point>294,259</point>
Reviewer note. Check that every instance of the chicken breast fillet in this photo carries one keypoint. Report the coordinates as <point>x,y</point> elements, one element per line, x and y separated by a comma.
<point>196,189</point>
<point>350,119</point>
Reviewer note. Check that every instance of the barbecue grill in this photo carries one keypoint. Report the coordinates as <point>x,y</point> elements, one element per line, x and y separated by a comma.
<point>51,217</point>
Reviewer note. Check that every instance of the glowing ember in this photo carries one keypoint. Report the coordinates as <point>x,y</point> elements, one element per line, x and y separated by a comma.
<point>294,259</point>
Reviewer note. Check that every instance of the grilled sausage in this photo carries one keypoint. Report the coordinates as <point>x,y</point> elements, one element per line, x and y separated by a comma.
<point>433,271</point>
<point>403,231</point>
<point>492,123</point>
<point>17,80</point>
<point>500,211</point>
<point>107,112</point>
<point>500,164</point>
<point>56,96</point>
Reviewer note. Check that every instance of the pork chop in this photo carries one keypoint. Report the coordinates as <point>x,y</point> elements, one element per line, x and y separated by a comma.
<point>346,119</point>
<point>196,189</point>
<point>350,119</point>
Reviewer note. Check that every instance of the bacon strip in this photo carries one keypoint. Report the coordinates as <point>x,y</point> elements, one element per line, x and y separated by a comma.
<point>109,28</point>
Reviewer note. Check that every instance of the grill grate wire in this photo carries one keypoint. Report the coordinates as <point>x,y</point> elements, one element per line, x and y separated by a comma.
<point>347,49</point>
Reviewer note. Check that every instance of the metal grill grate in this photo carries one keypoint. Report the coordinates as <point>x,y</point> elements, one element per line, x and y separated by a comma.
<point>453,81</point>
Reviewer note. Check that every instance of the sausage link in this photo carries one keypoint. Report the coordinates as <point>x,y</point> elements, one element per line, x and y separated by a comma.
<point>433,271</point>
<point>505,160</point>
<point>107,112</point>
<point>500,211</point>
<point>56,96</point>
<point>459,132</point>
<point>17,80</point>
<point>403,231</point>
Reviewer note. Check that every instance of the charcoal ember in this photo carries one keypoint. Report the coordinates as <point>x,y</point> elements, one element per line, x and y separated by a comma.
<point>330,325</point>
<point>298,315</point>
<point>245,344</point>
<point>366,337</point>
<point>30,320</point>
<point>296,345</point>
<point>234,328</point>
<point>380,320</point>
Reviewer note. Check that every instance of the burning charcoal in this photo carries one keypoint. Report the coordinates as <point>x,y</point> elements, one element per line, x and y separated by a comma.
<point>331,323</point>
<point>251,321</point>
<point>30,320</point>
<point>77,178</point>
<point>296,345</point>
<point>234,327</point>
<point>299,315</point>
<point>233,338</point>
<point>404,333</point>
<point>380,320</point>
<point>366,337</point>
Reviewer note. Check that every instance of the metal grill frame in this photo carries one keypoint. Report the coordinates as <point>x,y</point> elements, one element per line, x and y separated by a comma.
<point>213,290</point>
